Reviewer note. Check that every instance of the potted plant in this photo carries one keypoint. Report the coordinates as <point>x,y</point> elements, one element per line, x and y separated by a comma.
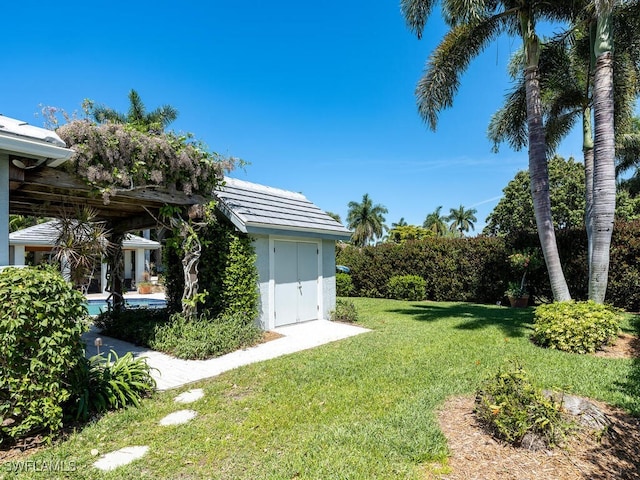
<point>145,285</point>
<point>517,292</point>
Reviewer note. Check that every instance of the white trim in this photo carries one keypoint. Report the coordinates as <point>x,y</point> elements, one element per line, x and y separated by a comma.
<point>35,149</point>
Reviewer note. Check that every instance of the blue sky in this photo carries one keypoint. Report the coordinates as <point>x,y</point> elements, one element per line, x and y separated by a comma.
<point>318,97</point>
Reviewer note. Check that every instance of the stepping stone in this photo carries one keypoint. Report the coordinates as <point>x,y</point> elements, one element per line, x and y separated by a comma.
<point>120,457</point>
<point>189,396</point>
<point>176,418</point>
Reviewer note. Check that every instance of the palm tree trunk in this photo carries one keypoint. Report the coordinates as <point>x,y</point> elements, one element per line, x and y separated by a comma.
<point>539,175</point>
<point>587,151</point>
<point>604,177</point>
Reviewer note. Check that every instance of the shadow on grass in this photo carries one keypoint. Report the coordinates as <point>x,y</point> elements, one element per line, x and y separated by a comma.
<point>631,384</point>
<point>514,322</point>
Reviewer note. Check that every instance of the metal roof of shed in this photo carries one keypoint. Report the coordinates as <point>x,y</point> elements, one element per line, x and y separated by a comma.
<point>255,208</point>
<point>44,234</point>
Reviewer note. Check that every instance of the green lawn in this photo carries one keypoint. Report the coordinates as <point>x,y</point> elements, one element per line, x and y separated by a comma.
<point>360,408</point>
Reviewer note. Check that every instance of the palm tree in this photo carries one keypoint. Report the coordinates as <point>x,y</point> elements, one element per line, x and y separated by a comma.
<point>462,219</point>
<point>475,23</point>
<point>565,68</point>
<point>154,122</point>
<point>436,223</point>
<point>366,221</point>
<point>401,223</point>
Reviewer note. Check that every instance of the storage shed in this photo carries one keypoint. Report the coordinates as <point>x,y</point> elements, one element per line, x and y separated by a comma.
<point>295,245</point>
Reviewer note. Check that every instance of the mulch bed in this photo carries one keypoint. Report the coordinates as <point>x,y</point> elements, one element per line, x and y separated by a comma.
<point>475,454</point>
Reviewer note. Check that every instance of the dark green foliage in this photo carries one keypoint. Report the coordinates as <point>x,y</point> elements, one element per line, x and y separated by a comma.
<point>345,311</point>
<point>136,325</point>
<point>457,269</point>
<point>100,384</point>
<point>624,274</point>
<point>227,271</point>
<point>205,337</point>
<point>577,327</point>
<point>406,287</point>
<point>41,322</point>
<point>511,407</point>
<point>344,285</point>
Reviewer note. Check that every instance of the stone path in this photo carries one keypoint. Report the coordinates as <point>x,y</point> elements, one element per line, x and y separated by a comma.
<point>126,455</point>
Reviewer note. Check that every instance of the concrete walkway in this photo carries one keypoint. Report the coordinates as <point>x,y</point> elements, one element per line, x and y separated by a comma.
<point>172,372</point>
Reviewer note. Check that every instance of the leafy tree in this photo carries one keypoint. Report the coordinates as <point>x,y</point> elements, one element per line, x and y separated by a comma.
<point>149,122</point>
<point>436,222</point>
<point>514,211</point>
<point>462,219</point>
<point>366,220</point>
<point>474,24</point>
<point>403,233</point>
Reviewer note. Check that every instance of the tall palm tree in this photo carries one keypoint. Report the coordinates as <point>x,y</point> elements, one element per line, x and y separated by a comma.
<point>366,220</point>
<point>436,222</point>
<point>565,69</point>
<point>155,121</point>
<point>462,219</point>
<point>474,24</point>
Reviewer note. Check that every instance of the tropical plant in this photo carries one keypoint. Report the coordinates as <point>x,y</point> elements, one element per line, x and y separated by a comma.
<point>462,219</point>
<point>436,222</point>
<point>366,220</point>
<point>149,122</point>
<point>405,233</point>
<point>473,25</point>
<point>81,242</point>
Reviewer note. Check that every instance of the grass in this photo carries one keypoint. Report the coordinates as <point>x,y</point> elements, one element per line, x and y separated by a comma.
<point>361,408</point>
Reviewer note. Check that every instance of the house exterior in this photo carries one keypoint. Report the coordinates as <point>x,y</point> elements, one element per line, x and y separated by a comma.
<point>23,147</point>
<point>40,239</point>
<point>295,245</point>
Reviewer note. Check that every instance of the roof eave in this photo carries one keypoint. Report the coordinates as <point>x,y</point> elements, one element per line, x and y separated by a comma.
<point>54,155</point>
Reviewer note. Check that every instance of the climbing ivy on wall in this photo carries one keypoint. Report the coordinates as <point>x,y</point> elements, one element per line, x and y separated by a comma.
<point>227,272</point>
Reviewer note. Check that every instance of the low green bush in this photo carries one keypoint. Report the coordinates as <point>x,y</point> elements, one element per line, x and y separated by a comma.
<point>577,327</point>
<point>406,287</point>
<point>344,285</point>
<point>100,384</point>
<point>205,337</point>
<point>345,311</point>
<point>41,322</point>
<point>510,406</point>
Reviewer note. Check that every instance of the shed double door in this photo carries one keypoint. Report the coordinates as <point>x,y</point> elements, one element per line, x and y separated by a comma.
<point>296,282</point>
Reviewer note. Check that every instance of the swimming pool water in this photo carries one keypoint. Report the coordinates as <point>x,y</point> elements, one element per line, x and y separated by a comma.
<point>97,306</point>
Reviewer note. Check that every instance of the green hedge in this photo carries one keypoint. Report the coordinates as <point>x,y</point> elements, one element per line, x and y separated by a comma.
<point>41,322</point>
<point>477,270</point>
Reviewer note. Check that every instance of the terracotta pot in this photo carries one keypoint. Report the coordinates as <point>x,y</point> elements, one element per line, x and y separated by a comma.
<point>519,302</point>
<point>144,289</point>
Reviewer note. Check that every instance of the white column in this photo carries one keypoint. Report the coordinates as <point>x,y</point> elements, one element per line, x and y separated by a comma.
<point>128,255</point>
<point>139,265</point>
<point>18,255</point>
<point>4,209</point>
<point>103,277</point>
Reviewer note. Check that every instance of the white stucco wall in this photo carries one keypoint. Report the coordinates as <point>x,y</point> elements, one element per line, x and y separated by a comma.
<point>328,277</point>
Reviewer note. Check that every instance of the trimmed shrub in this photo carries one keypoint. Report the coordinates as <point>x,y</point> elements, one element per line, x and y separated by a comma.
<point>100,384</point>
<point>41,323</point>
<point>344,285</point>
<point>345,311</point>
<point>205,337</point>
<point>406,287</point>
<point>511,407</point>
<point>134,325</point>
<point>577,327</point>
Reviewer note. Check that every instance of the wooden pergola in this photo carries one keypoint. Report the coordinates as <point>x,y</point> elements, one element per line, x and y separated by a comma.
<point>46,192</point>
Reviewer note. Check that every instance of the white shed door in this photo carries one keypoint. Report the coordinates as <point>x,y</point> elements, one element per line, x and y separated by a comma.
<point>296,282</point>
